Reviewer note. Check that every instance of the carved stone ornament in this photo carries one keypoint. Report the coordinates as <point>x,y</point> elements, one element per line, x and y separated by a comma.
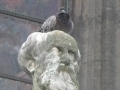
<point>52,60</point>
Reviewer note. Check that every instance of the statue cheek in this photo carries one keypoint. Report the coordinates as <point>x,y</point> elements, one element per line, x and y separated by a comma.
<point>76,67</point>
<point>31,66</point>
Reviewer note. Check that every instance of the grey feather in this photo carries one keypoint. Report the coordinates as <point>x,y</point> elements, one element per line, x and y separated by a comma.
<point>59,21</point>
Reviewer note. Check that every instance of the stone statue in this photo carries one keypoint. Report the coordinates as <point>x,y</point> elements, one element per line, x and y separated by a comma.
<point>51,59</point>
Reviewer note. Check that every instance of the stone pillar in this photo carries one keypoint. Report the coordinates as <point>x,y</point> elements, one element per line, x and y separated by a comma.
<point>95,31</point>
<point>117,45</point>
<point>108,45</point>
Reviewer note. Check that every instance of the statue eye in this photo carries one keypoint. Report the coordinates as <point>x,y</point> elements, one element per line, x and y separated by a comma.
<point>59,48</point>
<point>71,53</point>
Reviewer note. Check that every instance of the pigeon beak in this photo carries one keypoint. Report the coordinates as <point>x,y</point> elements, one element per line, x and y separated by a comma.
<point>63,11</point>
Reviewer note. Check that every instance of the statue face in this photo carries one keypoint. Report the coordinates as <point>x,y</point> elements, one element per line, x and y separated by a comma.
<point>64,55</point>
<point>60,66</point>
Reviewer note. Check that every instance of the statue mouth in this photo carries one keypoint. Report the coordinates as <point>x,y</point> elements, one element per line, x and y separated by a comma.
<point>64,66</point>
<point>66,63</point>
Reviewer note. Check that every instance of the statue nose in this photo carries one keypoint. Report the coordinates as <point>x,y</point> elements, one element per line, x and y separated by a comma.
<point>65,58</point>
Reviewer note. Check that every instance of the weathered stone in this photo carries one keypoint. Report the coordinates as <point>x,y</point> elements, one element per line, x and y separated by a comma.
<point>52,59</point>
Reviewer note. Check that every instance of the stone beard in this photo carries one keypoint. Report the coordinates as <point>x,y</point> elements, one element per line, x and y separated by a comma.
<point>52,61</point>
<point>57,75</point>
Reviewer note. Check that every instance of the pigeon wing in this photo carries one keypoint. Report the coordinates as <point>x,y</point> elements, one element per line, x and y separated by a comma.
<point>49,24</point>
<point>72,27</point>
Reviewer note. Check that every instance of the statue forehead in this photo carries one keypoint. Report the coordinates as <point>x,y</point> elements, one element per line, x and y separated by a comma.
<point>55,38</point>
<point>59,38</point>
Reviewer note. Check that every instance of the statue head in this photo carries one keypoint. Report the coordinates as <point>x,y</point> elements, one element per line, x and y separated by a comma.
<point>52,59</point>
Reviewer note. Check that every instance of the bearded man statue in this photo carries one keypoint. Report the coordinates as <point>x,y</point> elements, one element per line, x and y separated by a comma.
<point>52,60</point>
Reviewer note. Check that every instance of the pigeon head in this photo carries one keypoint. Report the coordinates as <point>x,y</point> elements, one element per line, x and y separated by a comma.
<point>63,15</point>
<point>62,9</point>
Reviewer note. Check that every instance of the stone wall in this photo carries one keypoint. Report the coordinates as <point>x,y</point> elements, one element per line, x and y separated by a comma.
<point>97,29</point>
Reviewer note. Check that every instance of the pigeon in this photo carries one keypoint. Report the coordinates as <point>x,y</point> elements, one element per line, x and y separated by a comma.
<point>60,21</point>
